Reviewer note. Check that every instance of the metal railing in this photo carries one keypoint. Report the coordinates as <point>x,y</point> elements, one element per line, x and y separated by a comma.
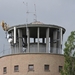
<point>51,50</point>
<point>5,52</point>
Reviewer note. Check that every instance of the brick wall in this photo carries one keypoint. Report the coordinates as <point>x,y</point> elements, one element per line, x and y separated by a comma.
<point>38,60</point>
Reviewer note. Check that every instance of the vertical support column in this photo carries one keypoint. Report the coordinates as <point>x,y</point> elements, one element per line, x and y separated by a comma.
<point>55,39</point>
<point>61,37</point>
<point>15,47</point>
<point>14,35</point>
<point>60,41</point>
<point>12,47</point>
<point>38,38</point>
<point>28,40</point>
<point>51,43</point>
<point>25,40</point>
<point>25,37</point>
<point>20,40</point>
<point>47,40</point>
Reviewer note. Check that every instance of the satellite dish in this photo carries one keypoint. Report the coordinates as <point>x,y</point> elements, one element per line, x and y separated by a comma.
<point>10,40</point>
<point>4,26</point>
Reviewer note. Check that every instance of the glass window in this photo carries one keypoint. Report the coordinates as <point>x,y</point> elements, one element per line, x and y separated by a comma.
<point>4,69</point>
<point>46,67</point>
<point>16,68</point>
<point>60,68</point>
<point>31,67</point>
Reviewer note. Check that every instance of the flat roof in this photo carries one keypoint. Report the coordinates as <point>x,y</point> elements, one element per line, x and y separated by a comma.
<point>35,25</point>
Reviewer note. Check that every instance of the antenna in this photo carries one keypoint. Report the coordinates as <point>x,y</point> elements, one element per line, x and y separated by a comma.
<point>35,13</point>
<point>5,27</point>
<point>14,35</point>
<point>27,12</point>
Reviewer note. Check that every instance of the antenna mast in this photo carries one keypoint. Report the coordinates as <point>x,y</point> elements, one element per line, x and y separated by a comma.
<point>35,13</point>
<point>27,12</point>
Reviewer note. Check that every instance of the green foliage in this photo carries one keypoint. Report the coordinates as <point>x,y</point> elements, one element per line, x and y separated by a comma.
<point>69,54</point>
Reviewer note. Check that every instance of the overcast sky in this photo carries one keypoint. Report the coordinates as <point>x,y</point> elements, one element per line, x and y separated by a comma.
<point>58,12</point>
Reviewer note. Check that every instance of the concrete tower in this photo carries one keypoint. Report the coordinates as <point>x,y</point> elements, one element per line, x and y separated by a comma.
<point>36,49</point>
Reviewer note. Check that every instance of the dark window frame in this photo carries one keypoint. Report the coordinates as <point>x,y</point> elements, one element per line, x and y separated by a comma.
<point>46,67</point>
<point>4,70</point>
<point>60,68</point>
<point>16,68</point>
<point>31,67</point>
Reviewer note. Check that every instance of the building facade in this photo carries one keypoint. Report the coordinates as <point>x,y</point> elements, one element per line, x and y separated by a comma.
<point>36,49</point>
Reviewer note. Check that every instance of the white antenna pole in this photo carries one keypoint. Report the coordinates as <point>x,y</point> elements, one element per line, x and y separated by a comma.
<point>14,35</point>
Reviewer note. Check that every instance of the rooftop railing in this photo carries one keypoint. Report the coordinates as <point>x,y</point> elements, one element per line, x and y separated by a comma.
<point>51,50</point>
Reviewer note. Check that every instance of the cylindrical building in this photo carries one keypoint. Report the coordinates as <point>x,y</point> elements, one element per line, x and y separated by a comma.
<point>36,49</point>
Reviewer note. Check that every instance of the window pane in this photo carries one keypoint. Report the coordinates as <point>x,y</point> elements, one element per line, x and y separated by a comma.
<point>31,67</point>
<point>60,68</point>
<point>46,67</point>
<point>16,68</point>
<point>4,69</point>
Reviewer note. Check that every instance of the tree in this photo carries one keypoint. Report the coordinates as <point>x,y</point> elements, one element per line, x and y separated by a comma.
<point>69,54</point>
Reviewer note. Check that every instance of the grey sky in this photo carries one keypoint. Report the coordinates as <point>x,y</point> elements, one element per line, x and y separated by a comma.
<point>58,12</point>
